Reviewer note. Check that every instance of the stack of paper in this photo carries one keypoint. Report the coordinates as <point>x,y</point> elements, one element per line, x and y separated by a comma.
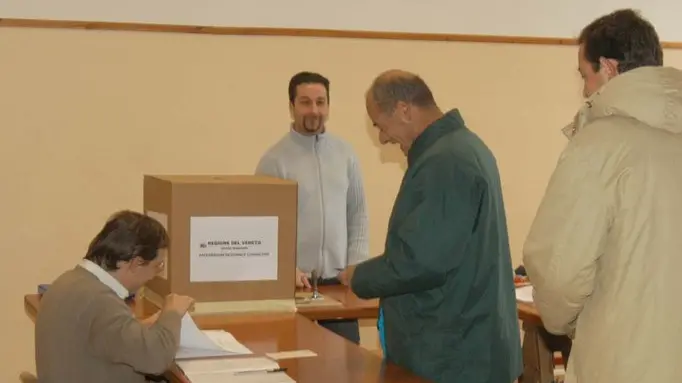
<point>195,343</point>
<point>525,294</point>
<point>234,370</point>
<point>275,377</point>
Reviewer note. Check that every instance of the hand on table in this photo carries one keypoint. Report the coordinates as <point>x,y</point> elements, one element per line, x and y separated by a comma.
<point>302,279</point>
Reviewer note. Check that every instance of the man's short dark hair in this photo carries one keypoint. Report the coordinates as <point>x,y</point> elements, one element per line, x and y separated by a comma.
<point>387,90</point>
<point>126,235</point>
<point>306,78</point>
<point>623,36</point>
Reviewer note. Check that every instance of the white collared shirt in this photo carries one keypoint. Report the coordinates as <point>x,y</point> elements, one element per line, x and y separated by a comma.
<point>105,278</point>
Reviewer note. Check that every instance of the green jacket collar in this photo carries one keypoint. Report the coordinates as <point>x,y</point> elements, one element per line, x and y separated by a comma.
<point>450,122</point>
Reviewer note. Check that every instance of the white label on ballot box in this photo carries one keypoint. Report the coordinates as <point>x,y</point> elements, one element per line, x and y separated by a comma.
<point>233,249</point>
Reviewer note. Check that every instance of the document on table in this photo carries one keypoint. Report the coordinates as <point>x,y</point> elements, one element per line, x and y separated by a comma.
<point>195,343</point>
<point>290,354</point>
<point>525,294</point>
<point>234,370</point>
<point>256,377</point>
<point>230,364</point>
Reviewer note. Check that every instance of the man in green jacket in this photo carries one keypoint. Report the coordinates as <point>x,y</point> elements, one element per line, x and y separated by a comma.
<point>445,280</point>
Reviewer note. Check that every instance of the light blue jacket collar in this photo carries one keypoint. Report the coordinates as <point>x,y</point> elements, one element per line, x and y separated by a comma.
<point>306,139</point>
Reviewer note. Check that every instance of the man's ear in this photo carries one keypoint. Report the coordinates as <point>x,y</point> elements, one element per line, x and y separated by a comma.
<point>403,111</point>
<point>291,110</point>
<point>609,67</point>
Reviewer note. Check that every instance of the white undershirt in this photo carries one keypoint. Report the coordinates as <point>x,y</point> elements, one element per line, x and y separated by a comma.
<point>105,278</point>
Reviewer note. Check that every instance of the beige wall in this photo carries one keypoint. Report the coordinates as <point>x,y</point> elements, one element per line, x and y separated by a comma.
<point>85,114</point>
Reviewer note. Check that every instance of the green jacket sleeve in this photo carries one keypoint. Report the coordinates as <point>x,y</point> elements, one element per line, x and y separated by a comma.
<point>430,241</point>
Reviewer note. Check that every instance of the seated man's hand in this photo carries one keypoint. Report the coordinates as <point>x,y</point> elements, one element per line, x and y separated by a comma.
<point>178,303</point>
<point>302,279</point>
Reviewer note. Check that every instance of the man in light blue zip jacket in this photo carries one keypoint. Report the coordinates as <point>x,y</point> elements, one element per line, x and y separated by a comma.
<point>332,218</point>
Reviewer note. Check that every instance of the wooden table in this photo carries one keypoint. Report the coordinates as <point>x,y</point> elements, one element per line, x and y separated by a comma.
<point>538,360</point>
<point>528,313</point>
<point>284,332</point>
<point>352,307</point>
<point>337,360</point>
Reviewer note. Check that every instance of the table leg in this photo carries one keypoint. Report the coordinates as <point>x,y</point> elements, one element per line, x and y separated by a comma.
<point>538,360</point>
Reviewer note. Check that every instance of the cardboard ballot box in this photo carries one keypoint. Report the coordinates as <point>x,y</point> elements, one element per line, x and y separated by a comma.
<point>232,241</point>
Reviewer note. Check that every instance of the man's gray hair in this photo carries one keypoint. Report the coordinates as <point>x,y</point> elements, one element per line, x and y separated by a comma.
<point>394,86</point>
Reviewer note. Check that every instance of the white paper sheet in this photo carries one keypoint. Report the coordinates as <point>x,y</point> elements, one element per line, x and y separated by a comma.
<point>525,294</point>
<point>223,377</point>
<point>291,354</point>
<point>234,370</point>
<point>230,364</point>
<point>195,343</point>
<point>227,341</point>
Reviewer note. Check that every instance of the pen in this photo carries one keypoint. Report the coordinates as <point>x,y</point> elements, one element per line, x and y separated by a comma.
<point>281,369</point>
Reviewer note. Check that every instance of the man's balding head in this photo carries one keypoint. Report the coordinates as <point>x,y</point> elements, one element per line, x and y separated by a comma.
<point>401,106</point>
<point>394,86</point>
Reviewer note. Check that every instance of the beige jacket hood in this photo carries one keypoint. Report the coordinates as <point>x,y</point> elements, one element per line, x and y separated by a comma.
<point>604,252</point>
<point>623,95</point>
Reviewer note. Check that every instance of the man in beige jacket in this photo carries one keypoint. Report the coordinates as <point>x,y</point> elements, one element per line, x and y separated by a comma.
<point>604,251</point>
<point>85,332</point>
